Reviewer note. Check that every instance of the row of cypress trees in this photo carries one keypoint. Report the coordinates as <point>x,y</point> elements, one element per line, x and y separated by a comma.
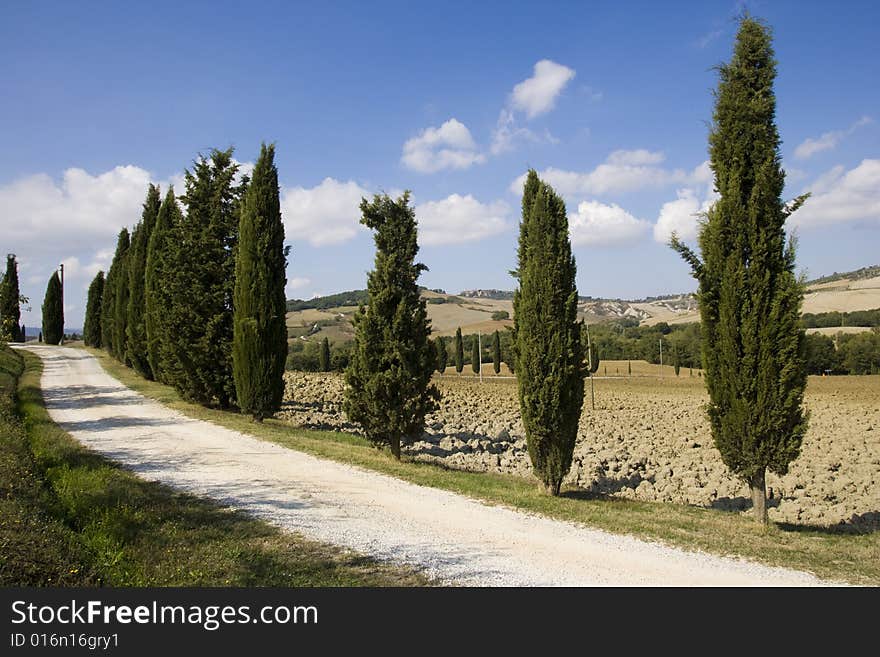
<point>458,353</point>
<point>752,345</point>
<point>10,300</point>
<point>195,298</point>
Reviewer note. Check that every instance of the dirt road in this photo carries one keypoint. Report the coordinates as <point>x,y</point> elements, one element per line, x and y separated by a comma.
<point>454,538</point>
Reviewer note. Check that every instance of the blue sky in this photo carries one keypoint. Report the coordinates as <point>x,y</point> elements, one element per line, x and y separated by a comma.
<point>609,101</point>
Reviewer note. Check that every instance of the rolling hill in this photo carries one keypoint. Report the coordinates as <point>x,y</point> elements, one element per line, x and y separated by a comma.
<point>483,309</point>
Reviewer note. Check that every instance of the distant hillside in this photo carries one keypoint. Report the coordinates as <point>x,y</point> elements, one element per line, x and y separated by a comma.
<point>350,298</point>
<point>858,274</point>
<point>488,310</point>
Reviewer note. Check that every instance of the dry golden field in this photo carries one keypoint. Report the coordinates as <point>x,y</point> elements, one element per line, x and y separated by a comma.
<point>648,438</point>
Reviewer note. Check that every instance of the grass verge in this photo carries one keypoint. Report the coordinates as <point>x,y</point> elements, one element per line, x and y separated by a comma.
<point>69,517</point>
<point>834,552</point>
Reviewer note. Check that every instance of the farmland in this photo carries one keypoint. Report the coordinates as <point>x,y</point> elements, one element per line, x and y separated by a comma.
<point>648,439</point>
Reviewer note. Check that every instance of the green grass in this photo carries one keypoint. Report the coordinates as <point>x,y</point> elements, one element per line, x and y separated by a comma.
<point>834,552</point>
<point>69,517</point>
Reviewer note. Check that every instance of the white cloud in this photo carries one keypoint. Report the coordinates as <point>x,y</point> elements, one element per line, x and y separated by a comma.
<point>458,219</point>
<point>828,140</point>
<point>73,213</point>
<point>622,171</point>
<point>679,216</point>
<point>840,196</point>
<point>637,157</point>
<point>707,38</point>
<point>450,146</point>
<point>328,213</point>
<point>296,283</point>
<point>537,95</point>
<point>597,224</point>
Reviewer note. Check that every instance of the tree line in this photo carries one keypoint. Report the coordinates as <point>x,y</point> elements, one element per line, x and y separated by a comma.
<point>201,326</point>
<point>194,296</point>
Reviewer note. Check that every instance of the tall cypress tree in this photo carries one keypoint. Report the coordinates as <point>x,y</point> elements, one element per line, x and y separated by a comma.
<point>53,312</point>
<point>442,356</point>
<point>260,329</point>
<point>749,297</point>
<point>324,356</point>
<point>496,352</point>
<point>120,302</point>
<point>108,301</point>
<point>389,389</point>
<point>158,292</point>
<point>458,351</point>
<point>476,356</point>
<point>136,330</point>
<point>92,325</point>
<point>203,279</point>
<point>10,310</point>
<point>549,356</point>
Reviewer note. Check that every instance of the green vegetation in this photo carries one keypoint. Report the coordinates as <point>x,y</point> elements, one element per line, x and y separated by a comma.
<point>158,292</point>
<point>349,298</point>
<point>53,311</point>
<point>10,300</point>
<point>259,347</point>
<point>135,325</point>
<point>476,357</point>
<point>201,279</point>
<point>442,356</point>
<point>458,351</point>
<point>112,282</point>
<point>69,517</point>
<point>499,315</point>
<point>324,358</point>
<point>836,552</point>
<point>496,352</point>
<point>389,377</point>
<point>865,318</point>
<point>549,353</point>
<point>753,347</point>
<point>92,325</point>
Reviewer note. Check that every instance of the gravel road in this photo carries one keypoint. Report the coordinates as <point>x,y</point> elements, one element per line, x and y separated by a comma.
<point>451,537</point>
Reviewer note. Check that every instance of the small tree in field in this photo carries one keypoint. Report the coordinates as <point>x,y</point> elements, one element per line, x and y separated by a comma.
<point>749,298</point>
<point>549,354</point>
<point>53,312</point>
<point>476,357</point>
<point>459,351</point>
<point>496,352</point>
<point>440,347</point>
<point>629,368</point>
<point>324,356</point>
<point>388,379</point>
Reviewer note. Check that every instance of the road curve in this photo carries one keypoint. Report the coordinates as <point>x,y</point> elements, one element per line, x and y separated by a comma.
<point>449,536</point>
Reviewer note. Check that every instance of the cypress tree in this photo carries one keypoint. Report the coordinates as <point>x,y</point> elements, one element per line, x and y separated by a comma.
<point>158,295</point>
<point>459,351</point>
<point>496,352</point>
<point>259,326</point>
<point>92,325</point>
<point>202,282</point>
<point>108,301</point>
<point>136,330</point>
<point>10,295</point>
<point>549,354</point>
<point>389,389</point>
<point>629,368</point>
<point>53,312</point>
<point>749,297</point>
<point>324,356</point>
<point>476,359</point>
<point>442,356</point>
<point>120,303</point>
<point>22,336</point>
